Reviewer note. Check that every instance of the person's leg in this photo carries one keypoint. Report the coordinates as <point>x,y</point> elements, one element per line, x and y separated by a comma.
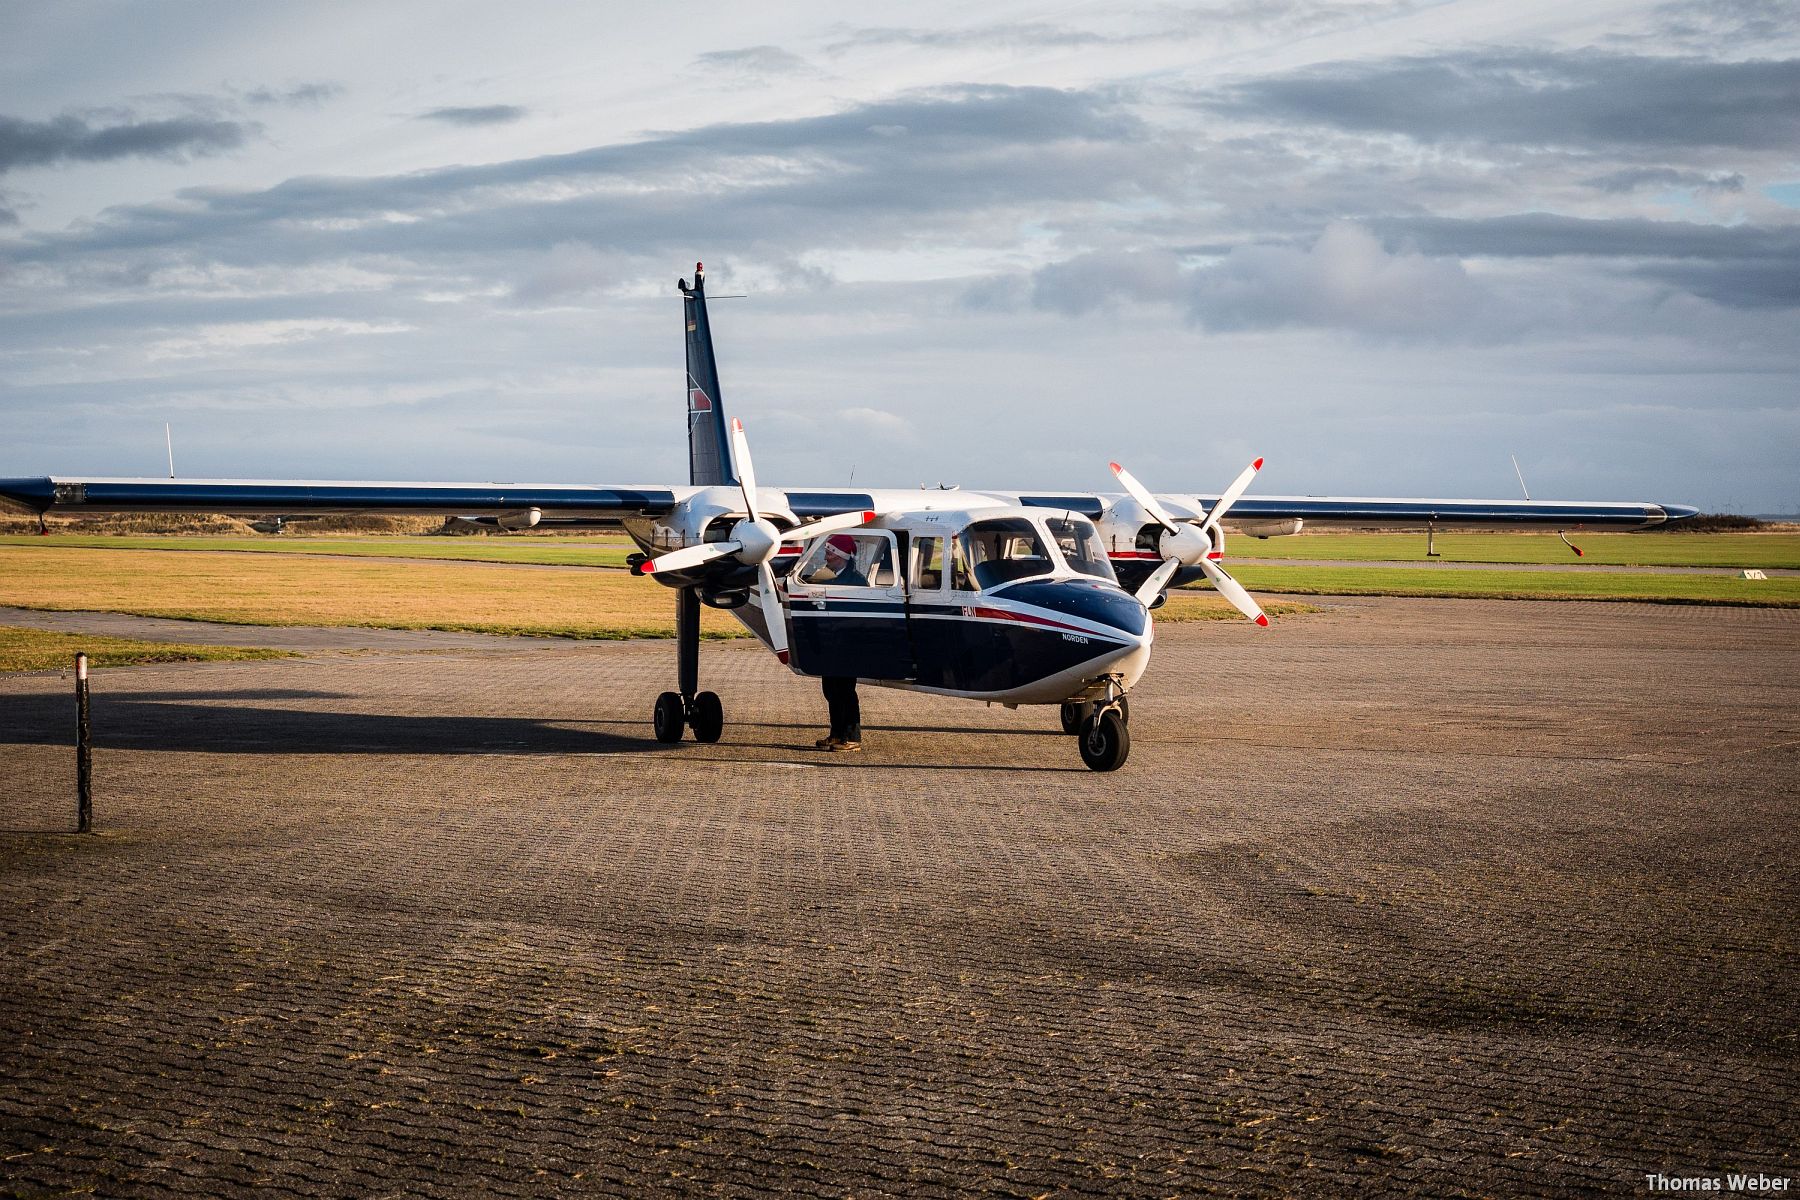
<point>846,710</point>
<point>833,687</point>
<point>852,713</point>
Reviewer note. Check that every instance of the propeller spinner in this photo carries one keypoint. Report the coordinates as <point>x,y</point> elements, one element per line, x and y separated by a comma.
<point>1192,545</point>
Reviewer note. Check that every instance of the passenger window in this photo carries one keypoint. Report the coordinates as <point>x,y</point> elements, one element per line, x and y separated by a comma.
<point>928,564</point>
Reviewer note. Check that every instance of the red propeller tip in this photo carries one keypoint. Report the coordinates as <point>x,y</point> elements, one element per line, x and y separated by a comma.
<point>1257,464</point>
<point>737,425</point>
<point>1116,468</point>
<point>1215,556</point>
<point>1262,619</point>
<point>649,566</point>
<point>781,655</point>
<point>868,515</point>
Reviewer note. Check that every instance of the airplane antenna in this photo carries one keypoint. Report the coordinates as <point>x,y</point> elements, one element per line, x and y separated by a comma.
<point>1520,474</point>
<point>169,441</point>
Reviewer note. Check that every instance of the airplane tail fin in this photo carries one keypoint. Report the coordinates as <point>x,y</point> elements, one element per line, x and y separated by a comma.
<point>709,450</point>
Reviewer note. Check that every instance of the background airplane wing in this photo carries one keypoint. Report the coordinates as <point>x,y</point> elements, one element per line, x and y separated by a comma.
<point>68,495</point>
<point>1366,510</point>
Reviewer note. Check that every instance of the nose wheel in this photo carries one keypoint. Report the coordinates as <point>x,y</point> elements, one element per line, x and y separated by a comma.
<point>1105,741</point>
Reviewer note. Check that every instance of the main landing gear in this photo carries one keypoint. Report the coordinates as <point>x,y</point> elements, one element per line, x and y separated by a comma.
<point>689,708</point>
<point>1101,728</point>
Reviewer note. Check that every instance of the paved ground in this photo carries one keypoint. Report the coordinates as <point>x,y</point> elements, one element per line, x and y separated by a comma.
<point>1434,897</point>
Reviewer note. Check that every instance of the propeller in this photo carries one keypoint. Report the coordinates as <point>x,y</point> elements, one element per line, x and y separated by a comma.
<point>755,541</point>
<point>1192,545</point>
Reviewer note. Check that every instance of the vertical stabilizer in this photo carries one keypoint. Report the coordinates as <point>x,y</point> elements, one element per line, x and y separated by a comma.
<point>709,451</point>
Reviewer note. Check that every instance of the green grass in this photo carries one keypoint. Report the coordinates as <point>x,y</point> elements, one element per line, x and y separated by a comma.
<point>47,650</point>
<point>1601,549</point>
<point>1782,592</point>
<point>545,551</point>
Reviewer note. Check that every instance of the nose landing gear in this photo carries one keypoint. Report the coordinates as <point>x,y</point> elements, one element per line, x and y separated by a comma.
<point>689,708</point>
<point>1101,727</point>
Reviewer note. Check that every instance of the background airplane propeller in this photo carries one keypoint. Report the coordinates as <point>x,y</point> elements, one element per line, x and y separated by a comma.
<point>1192,545</point>
<point>755,541</point>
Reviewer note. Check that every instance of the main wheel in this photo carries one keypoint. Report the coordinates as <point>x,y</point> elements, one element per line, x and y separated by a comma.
<point>1074,716</point>
<point>668,718</point>
<point>1105,742</point>
<point>707,717</point>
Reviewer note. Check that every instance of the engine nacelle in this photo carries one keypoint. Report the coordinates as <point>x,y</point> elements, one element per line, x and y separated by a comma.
<point>519,519</point>
<point>1269,529</point>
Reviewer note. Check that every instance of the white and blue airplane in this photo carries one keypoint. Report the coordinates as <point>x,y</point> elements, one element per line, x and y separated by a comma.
<point>1005,597</point>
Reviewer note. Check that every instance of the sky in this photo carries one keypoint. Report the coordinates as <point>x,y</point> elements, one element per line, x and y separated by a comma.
<point>1388,245</point>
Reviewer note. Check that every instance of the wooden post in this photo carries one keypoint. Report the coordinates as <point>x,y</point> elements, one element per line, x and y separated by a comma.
<point>84,751</point>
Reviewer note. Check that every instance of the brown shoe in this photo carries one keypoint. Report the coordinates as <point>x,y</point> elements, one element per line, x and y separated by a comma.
<point>825,743</point>
<point>840,744</point>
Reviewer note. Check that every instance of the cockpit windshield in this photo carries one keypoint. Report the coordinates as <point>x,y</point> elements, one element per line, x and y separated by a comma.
<point>1081,547</point>
<point>999,551</point>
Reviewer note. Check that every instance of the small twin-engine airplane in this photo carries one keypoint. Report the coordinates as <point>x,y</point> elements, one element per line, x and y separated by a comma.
<point>1005,597</point>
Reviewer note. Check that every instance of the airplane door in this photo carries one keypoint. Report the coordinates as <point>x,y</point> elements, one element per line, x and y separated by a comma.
<point>930,617</point>
<point>847,608</point>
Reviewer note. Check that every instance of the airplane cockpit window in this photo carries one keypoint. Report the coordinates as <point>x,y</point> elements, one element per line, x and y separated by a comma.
<point>1000,551</point>
<point>1081,547</point>
<point>849,560</point>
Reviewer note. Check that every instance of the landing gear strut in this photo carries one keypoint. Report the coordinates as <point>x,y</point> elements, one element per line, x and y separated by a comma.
<point>690,707</point>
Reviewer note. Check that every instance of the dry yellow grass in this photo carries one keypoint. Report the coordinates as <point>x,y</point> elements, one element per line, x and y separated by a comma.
<point>247,589</point>
<point>50,650</point>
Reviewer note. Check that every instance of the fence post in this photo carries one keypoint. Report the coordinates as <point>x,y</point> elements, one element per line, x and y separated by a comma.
<point>84,751</point>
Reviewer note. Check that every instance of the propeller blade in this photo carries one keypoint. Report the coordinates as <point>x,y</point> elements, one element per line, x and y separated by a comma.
<point>1231,495</point>
<point>1158,580</point>
<point>690,556</point>
<point>825,525</point>
<point>1141,494</point>
<point>1234,592</point>
<point>746,472</point>
<point>771,610</point>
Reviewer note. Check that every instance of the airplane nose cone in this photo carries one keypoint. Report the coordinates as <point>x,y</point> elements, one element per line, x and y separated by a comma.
<point>1090,599</point>
<point>1678,512</point>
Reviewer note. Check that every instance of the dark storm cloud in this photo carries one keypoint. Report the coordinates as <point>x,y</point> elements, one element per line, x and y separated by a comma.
<point>73,139</point>
<point>486,114</point>
<point>1540,98</point>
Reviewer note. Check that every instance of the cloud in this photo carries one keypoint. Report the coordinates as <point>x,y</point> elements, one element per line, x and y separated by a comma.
<point>72,139</point>
<point>754,63</point>
<point>1089,281</point>
<point>302,95</point>
<point>1632,179</point>
<point>1344,280</point>
<point>486,114</point>
<point>1539,98</point>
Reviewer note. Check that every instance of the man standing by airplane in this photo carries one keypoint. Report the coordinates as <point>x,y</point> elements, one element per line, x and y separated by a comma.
<point>840,690</point>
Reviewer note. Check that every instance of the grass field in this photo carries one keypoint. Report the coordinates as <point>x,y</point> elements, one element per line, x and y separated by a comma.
<point>571,551</point>
<point>48,650</point>
<point>1600,549</point>
<point>1782,592</point>
<point>282,589</point>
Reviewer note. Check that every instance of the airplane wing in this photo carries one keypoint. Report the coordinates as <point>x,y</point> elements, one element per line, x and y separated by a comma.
<point>59,494</point>
<point>1367,510</point>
